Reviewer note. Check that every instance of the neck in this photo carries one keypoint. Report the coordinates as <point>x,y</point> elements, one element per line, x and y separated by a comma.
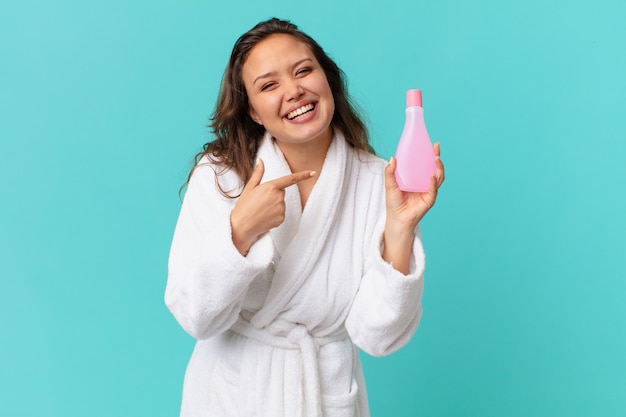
<point>306,156</point>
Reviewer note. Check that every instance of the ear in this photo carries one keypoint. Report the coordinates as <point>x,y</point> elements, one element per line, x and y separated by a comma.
<point>254,116</point>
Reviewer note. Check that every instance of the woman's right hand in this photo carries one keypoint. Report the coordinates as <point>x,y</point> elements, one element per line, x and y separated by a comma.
<point>261,207</point>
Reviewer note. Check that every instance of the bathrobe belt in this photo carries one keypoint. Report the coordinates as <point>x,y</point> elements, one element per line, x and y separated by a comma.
<point>285,335</point>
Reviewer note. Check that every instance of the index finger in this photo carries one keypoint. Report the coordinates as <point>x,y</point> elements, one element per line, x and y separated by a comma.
<point>292,179</point>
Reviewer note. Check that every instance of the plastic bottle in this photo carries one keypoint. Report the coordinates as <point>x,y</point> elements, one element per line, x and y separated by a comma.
<point>415,155</point>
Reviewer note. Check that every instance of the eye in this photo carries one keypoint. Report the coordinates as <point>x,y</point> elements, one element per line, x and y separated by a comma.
<point>267,86</point>
<point>304,71</point>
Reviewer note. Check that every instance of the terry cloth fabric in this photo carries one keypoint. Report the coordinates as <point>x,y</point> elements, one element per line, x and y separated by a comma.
<point>279,329</point>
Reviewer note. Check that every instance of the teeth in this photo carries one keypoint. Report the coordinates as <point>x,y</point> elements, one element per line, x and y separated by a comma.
<point>292,115</point>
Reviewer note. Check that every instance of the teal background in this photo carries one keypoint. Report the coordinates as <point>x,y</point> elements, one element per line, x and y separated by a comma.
<point>103,104</point>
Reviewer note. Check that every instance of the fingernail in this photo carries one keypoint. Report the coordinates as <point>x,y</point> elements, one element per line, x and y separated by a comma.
<point>313,173</point>
<point>258,160</point>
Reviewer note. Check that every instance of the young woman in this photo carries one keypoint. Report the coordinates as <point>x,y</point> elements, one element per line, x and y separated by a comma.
<point>294,247</point>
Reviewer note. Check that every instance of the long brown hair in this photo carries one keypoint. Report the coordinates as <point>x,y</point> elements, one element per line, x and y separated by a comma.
<point>237,135</point>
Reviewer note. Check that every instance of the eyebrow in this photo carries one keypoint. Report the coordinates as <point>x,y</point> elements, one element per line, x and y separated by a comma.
<point>269,74</point>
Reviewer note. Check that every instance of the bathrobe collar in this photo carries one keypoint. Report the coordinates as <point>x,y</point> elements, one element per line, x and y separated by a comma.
<point>297,256</point>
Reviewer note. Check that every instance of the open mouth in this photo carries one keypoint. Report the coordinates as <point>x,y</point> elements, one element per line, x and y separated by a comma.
<point>302,110</point>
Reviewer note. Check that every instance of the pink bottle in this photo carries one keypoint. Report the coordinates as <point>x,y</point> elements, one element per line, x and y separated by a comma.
<point>415,155</point>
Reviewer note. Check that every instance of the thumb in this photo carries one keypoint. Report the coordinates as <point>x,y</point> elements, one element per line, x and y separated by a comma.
<point>257,175</point>
<point>390,177</point>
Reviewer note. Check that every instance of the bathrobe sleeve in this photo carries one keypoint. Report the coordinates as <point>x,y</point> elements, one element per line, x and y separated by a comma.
<point>387,307</point>
<point>207,276</point>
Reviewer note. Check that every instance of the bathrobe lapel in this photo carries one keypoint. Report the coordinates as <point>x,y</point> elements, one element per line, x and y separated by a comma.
<point>275,167</point>
<point>299,255</point>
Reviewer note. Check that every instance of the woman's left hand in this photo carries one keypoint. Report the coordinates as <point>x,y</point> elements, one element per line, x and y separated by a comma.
<point>404,212</point>
<point>407,208</point>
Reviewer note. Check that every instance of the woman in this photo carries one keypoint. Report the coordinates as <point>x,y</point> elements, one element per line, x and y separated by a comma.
<point>294,247</point>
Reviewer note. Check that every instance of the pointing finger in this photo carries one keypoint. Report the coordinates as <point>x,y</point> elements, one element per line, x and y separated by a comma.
<point>292,179</point>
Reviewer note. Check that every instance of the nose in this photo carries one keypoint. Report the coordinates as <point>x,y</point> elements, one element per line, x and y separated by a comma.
<point>293,90</point>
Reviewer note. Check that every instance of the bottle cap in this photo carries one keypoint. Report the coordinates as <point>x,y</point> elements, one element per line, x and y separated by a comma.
<point>414,98</point>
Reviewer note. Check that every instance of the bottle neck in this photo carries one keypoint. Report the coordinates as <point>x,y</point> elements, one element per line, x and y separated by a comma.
<point>415,111</point>
<point>414,118</point>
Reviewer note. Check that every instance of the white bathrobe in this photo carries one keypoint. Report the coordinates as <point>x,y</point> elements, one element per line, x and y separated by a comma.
<point>279,329</point>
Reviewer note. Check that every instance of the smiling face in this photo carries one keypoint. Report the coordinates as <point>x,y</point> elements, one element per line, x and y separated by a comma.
<point>288,91</point>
